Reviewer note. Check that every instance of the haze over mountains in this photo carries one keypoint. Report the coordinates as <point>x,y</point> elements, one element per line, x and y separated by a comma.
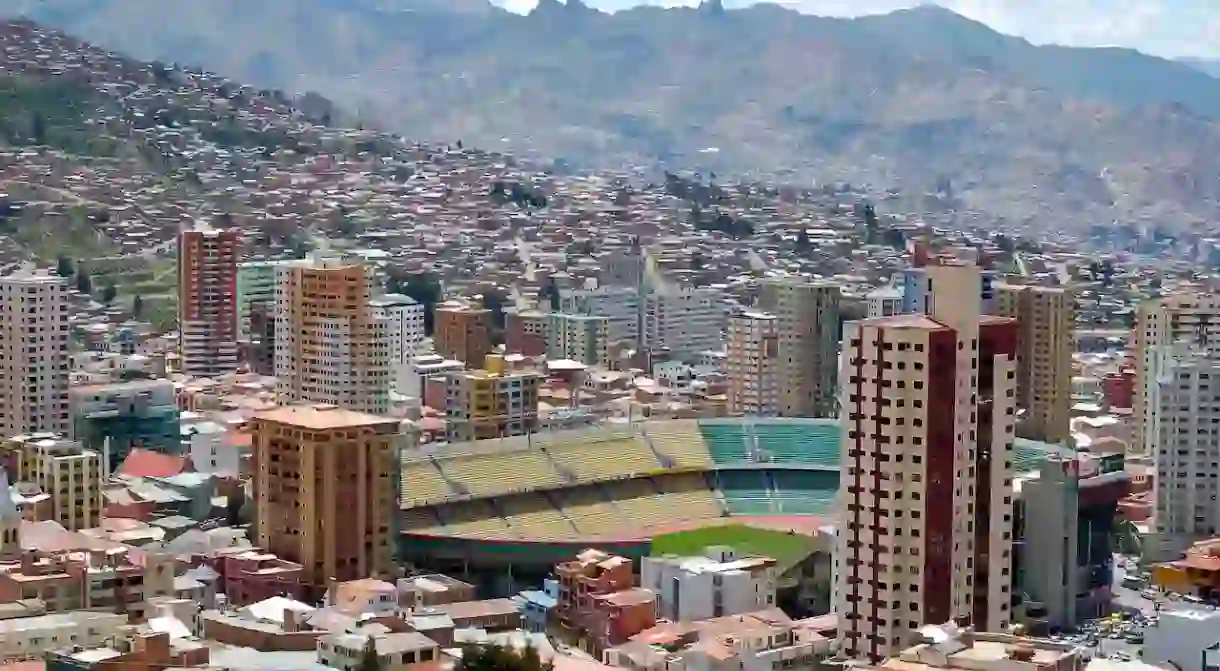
<point>919,99</point>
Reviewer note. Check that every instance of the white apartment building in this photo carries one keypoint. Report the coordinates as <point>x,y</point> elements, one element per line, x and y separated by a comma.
<point>1186,432</point>
<point>752,364</point>
<point>928,419</point>
<point>884,302</point>
<point>211,449</point>
<point>620,305</point>
<point>404,318</point>
<point>715,585</point>
<point>687,322</point>
<point>425,366</point>
<point>1161,322</point>
<point>34,353</point>
<point>33,637</point>
<point>583,338</point>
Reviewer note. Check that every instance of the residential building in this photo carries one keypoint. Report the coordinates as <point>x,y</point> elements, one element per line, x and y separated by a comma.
<point>114,418</point>
<point>325,485</point>
<point>424,591</point>
<point>583,338</point>
<point>1186,401</point>
<point>537,606</point>
<point>245,575</point>
<point>525,331</point>
<point>330,348</point>
<point>715,585</point>
<point>591,572</point>
<point>79,577</point>
<point>683,322</point>
<point>807,315</point>
<point>34,353</point>
<point>884,302</point>
<point>915,287</point>
<point>34,637</point>
<point>1066,516</point>
<point>207,301</point>
<point>257,283</point>
<point>10,520</point>
<point>1188,316</point>
<point>752,364</point>
<point>395,652</point>
<point>404,318</point>
<point>622,268</point>
<point>462,331</point>
<point>1046,323</point>
<point>621,305</point>
<point>213,449</point>
<point>1183,638</point>
<point>428,367</point>
<point>70,474</point>
<point>947,647</point>
<point>490,403</point>
<point>260,347</point>
<point>927,497</point>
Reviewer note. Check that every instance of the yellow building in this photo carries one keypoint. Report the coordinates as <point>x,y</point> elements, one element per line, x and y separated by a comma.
<point>490,403</point>
<point>67,472</point>
<point>1046,319</point>
<point>325,485</point>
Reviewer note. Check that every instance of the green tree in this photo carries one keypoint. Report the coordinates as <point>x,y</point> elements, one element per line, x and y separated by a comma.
<point>137,306</point>
<point>500,658</point>
<point>109,291</point>
<point>84,283</point>
<point>64,266</point>
<point>368,659</point>
<point>424,288</point>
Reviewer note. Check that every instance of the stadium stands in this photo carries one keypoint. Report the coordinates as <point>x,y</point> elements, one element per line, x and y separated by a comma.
<point>813,442</point>
<point>502,473</point>
<point>422,483</point>
<point>745,492</point>
<point>475,519</point>
<point>605,459</point>
<point>804,492</point>
<point>533,516</point>
<point>589,511</point>
<point>726,441</point>
<point>680,440</point>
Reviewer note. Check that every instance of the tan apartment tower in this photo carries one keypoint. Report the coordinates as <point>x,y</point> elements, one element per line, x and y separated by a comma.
<point>330,348</point>
<point>207,301</point>
<point>926,501</point>
<point>34,353</point>
<point>807,315</point>
<point>1046,324</point>
<point>462,331</point>
<point>325,490</point>
<point>752,363</point>
<point>1188,316</point>
<point>64,470</point>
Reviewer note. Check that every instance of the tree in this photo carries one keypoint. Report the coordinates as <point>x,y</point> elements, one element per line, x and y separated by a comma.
<point>803,244</point>
<point>424,288</point>
<point>368,659</point>
<point>109,291</point>
<point>64,266</point>
<point>500,658</point>
<point>84,283</point>
<point>137,306</point>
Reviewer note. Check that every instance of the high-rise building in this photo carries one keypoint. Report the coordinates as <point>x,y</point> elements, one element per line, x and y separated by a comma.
<point>808,334</point>
<point>114,418</point>
<point>207,301</point>
<point>583,338</point>
<point>752,363</point>
<point>927,497</point>
<point>490,403</point>
<point>1046,323</point>
<point>1186,397</point>
<point>325,487</point>
<point>256,285</point>
<point>1188,316</point>
<point>621,305</point>
<point>67,472</point>
<point>462,331</point>
<point>404,319</point>
<point>329,346</point>
<point>684,321</point>
<point>34,353</point>
<point>915,287</point>
<point>525,331</point>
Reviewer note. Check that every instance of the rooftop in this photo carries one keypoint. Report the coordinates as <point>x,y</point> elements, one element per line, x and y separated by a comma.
<point>320,417</point>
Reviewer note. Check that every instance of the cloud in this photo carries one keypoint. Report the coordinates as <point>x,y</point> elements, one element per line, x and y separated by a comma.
<point>1171,28</point>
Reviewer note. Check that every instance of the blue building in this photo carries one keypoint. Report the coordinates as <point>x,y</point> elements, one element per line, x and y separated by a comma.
<point>537,605</point>
<point>141,413</point>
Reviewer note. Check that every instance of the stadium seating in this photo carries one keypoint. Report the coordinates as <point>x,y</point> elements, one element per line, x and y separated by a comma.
<point>502,472</point>
<point>592,514</point>
<point>422,520</point>
<point>533,516</point>
<point>422,483</point>
<point>805,442</point>
<point>680,440</point>
<point>477,519</point>
<point>726,441</point>
<point>688,497</point>
<point>804,492</point>
<point>593,460</point>
<point>746,492</point>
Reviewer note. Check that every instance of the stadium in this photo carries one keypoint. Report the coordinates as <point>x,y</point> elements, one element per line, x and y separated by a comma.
<point>504,509</point>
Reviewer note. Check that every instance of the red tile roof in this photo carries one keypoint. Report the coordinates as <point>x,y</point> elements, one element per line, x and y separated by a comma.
<point>148,464</point>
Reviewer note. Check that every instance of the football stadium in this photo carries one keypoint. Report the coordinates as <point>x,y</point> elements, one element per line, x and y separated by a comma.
<point>521,504</point>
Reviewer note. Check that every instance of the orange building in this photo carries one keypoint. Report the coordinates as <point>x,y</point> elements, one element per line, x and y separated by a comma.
<point>325,487</point>
<point>463,331</point>
<point>1197,573</point>
<point>329,347</point>
<point>207,302</point>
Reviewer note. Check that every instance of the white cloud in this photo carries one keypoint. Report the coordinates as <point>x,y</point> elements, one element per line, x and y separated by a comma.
<point>1170,28</point>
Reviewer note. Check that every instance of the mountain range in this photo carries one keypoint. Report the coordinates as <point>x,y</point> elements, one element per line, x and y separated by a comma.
<point>919,100</point>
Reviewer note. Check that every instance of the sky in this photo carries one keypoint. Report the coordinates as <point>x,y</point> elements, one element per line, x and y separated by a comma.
<point>1169,28</point>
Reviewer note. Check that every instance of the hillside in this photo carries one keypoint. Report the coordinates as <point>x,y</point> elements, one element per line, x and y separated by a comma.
<point>917,100</point>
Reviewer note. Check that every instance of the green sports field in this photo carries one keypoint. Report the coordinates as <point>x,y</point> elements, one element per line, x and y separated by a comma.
<point>786,548</point>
